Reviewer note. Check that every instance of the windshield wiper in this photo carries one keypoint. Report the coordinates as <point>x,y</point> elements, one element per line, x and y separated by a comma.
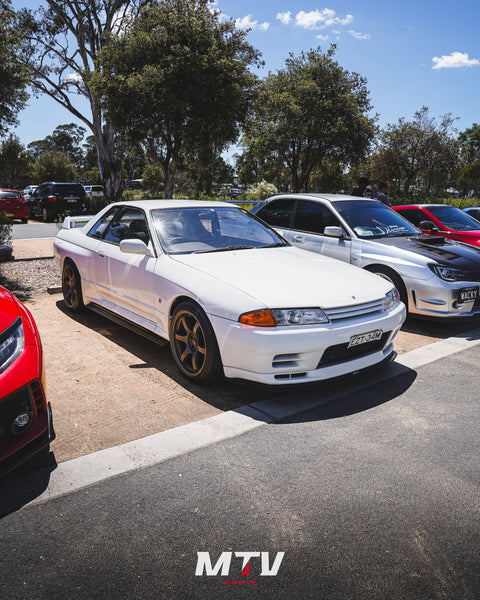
<point>225,249</point>
<point>276,245</point>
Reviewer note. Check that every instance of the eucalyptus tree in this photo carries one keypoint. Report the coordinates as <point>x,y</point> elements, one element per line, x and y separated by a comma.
<point>177,82</point>
<point>311,111</point>
<point>13,75</point>
<point>62,43</point>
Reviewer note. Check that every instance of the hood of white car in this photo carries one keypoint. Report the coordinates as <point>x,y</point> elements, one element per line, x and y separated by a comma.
<point>289,277</point>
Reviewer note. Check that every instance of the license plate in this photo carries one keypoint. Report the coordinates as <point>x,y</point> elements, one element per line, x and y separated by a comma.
<point>363,338</point>
<point>9,214</point>
<point>72,199</point>
<point>468,294</point>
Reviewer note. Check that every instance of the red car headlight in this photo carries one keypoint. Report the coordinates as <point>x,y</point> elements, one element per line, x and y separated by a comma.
<point>12,342</point>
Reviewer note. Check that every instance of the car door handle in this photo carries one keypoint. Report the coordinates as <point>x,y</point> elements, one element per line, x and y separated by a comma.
<point>298,238</point>
<point>101,255</point>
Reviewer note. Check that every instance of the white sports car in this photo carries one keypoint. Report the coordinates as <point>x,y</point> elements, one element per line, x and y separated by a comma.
<point>231,295</point>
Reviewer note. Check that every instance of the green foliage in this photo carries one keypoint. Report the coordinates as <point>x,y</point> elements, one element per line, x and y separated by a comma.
<point>5,229</point>
<point>418,151</point>
<point>177,82</point>
<point>14,164</point>
<point>13,75</point>
<point>54,166</point>
<point>310,111</point>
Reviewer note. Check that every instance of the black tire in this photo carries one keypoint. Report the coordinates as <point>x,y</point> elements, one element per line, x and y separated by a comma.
<point>72,287</point>
<point>393,277</point>
<point>193,343</point>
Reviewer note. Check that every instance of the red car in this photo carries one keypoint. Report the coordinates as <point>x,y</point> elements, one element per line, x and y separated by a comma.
<point>444,220</point>
<point>13,204</point>
<point>26,426</point>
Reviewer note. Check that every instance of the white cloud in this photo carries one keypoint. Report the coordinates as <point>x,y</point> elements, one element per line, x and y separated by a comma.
<point>322,37</point>
<point>359,36</point>
<point>320,19</point>
<point>284,17</point>
<point>455,60</point>
<point>248,23</point>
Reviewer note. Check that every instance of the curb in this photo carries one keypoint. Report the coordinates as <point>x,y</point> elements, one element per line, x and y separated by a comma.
<point>91,469</point>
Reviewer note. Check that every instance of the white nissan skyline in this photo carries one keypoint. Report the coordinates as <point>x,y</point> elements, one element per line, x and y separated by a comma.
<point>228,293</point>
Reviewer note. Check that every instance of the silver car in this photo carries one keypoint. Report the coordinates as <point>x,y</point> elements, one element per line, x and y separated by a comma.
<point>434,276</point>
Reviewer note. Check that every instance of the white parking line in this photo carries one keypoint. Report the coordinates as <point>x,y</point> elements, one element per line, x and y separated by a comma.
<point>93,468</point>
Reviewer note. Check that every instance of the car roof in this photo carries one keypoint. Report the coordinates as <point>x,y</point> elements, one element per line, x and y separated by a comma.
<point>171,203</point>
<point>320,196</point>
<point>8,190</point>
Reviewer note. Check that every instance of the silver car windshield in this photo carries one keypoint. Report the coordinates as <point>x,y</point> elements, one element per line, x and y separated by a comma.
<point>191,230</point>
<point>373,219</point>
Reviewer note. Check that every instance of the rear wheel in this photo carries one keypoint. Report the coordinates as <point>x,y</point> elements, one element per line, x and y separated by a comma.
<point>392,277</point>
<point>193,343</point>
<point>72,287</point>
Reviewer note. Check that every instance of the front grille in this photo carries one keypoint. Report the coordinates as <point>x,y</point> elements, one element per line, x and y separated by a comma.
<point>10,407</point>
<point>354,310</point>
<point>341,352</point>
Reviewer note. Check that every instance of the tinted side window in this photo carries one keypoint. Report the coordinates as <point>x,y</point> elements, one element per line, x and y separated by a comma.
<point>278,213</point>
<point>313,217</point>
<point>130,224</point>
<point>101,225</point>
<point>414,215</point>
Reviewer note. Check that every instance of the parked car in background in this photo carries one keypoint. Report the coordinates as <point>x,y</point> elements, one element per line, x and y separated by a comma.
<point>434,276</point>
<point>473,211</point>
<point>26,426</point>
<point>444,220</point>
<point>13,204</point>
<point>93,191</point>
<point>228,293</point>
<point>54,199</point>
<point>28,191</point>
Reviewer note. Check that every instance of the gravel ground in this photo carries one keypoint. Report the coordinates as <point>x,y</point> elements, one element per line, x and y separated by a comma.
<point>28,278</point>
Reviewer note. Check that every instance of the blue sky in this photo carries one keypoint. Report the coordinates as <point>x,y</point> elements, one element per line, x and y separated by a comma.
<point>412,53</point>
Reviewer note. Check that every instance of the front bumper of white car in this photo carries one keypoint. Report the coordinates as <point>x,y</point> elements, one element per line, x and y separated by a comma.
<point>293,355</point>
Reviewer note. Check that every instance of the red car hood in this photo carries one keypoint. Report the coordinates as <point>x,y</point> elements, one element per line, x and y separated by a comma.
<point>8,309</point>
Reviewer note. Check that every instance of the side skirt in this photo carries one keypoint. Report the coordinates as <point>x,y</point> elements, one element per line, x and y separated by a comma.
<point>119,320</point>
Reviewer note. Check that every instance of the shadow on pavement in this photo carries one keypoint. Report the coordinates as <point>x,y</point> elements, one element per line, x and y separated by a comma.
<point>366,395</point>
<point>23,485</point>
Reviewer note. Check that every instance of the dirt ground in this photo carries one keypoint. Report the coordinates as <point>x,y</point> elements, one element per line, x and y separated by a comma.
<point>108,385</point>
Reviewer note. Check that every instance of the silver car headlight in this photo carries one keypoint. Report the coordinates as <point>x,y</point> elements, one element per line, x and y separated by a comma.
<point>12,342</point>
<point>391,299</point>
<point>299,316</point>
<point>448,273</point>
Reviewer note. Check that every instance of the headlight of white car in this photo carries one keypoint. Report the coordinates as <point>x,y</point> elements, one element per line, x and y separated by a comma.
<point>11,346</point>
<point>449,274</point>
<point>281,317</point>
<point>391,299</point>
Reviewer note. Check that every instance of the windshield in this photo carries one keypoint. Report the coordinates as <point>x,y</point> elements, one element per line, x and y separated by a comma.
<point>373,219</point>
<point>453,218</point>
<point>191,230</point>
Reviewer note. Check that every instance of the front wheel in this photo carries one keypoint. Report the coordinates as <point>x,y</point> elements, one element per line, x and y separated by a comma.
<point>72,287</point>
<point>193,343</point>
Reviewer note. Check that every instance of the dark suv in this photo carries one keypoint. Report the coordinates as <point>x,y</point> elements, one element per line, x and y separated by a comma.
<point>52,199</point>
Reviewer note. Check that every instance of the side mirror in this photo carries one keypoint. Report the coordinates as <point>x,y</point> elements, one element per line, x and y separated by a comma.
<point>428,226</point>
<point>135,246</point>
<point>333,231</point>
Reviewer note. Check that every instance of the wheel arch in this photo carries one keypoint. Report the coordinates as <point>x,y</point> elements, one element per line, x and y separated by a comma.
<point>394,276</point>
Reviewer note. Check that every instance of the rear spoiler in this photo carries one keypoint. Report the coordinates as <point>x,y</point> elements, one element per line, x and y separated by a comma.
<point>74,222</point>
